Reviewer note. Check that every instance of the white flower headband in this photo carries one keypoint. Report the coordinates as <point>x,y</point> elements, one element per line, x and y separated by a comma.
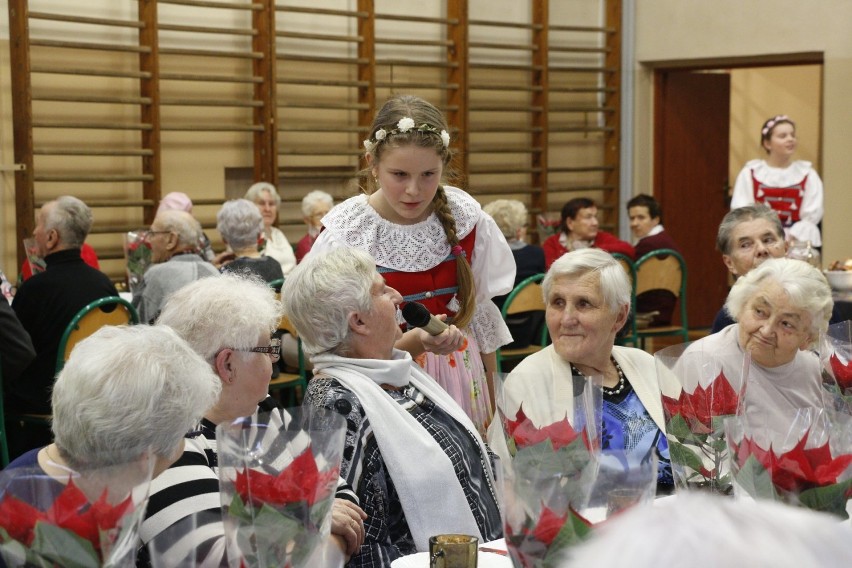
<point>404,125</point>
<point>772,122</point>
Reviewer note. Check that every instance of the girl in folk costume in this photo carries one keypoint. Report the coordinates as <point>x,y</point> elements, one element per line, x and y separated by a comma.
<point>433,243</point>
<point>790,187</point>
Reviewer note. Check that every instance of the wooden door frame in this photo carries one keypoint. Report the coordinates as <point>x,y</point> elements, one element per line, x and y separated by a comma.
<point>740,62</point>
<point>661,68</point>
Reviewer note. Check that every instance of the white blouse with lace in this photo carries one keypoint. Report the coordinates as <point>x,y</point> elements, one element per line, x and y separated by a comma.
<point>423,245</point>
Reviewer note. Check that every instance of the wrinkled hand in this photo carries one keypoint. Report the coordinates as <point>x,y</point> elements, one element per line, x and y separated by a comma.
<point>347,524</point>
<point>448,341</point>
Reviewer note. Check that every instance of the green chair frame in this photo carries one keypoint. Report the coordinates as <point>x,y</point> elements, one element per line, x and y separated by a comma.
<point>80,322</point>
<point>681,330</point>
<point>629,335</point>
<point>510,307</point>
<point>276,284</point>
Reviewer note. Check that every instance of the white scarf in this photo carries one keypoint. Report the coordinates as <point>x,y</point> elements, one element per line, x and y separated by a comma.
<point>424,477</point>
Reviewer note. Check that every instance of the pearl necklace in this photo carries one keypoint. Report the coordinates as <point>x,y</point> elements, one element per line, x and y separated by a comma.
<point>617,389</point>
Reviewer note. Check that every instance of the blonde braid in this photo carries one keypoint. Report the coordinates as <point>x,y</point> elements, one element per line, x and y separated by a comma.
<point>466,294</point>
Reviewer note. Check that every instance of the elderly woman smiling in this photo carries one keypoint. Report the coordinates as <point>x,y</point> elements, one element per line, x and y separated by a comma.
<point>587,297</point>
<point>781,308</point>
<point>413,456</point>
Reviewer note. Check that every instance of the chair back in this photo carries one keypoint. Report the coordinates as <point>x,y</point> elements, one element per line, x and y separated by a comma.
<point>527,296</point>
<point>661,270</point>
<point>111,310</point>
<point>627,264</point>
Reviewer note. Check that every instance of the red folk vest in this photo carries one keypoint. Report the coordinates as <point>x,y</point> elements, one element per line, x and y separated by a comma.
<point>433,288</point>
<point>786,201</point>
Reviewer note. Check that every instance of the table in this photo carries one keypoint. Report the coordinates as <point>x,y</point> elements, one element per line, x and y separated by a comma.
<point>485,560</point>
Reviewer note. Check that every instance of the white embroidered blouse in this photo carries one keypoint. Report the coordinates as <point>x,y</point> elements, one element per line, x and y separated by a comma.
<point>423,245</point>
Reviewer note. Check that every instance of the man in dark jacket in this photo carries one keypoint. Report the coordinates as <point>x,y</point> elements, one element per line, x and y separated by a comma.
<point>45,305</point>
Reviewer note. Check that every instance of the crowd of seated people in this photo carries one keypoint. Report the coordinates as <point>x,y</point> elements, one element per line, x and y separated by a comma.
<point>206,350</point>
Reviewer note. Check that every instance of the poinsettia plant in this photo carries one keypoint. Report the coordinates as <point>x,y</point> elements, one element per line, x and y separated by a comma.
<point>816,472</point>
<point>546,481</point>
<point>698,393</point>
<point>548,472</point>
<point>72,531</point>
<point>836,355</point>
<point>276,502</point>
<point>547,227</point>
<point>137,253</point>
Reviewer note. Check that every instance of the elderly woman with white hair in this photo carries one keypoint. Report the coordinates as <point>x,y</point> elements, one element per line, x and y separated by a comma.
<point>121,406</point>
<point>240,223</point>
<point>315,205</point>
<point>265,196</point>
<point>229,321</point>
<point>417,463</point>
<point>587,299</point>
<point>781,308</point>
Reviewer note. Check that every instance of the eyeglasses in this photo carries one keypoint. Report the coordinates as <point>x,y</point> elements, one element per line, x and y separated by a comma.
<point>274,349</point>
<point>148,234</point>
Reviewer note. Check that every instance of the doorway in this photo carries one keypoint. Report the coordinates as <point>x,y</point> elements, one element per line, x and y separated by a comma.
<point>707,123</point>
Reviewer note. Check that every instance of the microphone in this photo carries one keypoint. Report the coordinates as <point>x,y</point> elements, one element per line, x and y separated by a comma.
<point>416,315</point>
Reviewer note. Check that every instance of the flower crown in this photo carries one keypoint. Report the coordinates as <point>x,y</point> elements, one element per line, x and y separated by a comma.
<point>773,121</point>
<point>405,124</point>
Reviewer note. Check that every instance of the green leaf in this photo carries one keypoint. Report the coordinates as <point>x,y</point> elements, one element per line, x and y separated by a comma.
<point>12,551</point>
<point>679,428</point>
<point>684,455</point>
<point>64,547</point>
<point>830,499</point>
<point>572,533</point>
<point>238,510</point>
<point>755,480</point>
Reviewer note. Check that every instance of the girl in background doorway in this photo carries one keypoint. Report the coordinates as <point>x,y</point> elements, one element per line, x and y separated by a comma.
<point>790,187</point>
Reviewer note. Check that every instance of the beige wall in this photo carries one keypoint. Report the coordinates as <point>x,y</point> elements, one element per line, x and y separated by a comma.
<point>196,162</point>
<point>684,31</point>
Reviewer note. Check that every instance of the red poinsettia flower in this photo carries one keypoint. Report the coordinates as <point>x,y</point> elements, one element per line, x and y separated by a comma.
<point>842,371</point>
<point>699,408</point>
<point>19,519</point>
<point>798,469</point>
<point>548,526</point>
<point>71,510</point>
<point>525,433</point>
<point>300,481</point>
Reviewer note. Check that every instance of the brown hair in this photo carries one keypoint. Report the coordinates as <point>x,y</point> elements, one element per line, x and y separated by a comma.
<point>427,133</point>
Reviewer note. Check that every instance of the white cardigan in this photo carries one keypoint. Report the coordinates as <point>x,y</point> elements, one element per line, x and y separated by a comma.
<point>542,382</point>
